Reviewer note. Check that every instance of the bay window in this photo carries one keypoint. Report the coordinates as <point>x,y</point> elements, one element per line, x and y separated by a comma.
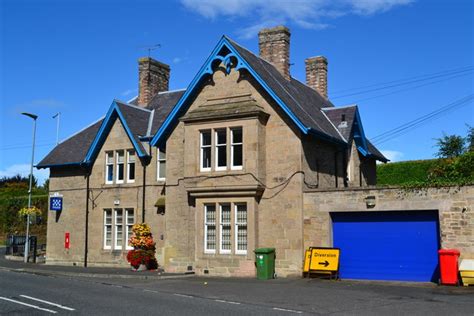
<point>205,151</point>
<point>225,231</point>
<point>231,219</point>
<point>240,228</point>
<point>236,148</point>
<point>218,140</point>
<point>209,228</point>
<point>221,149</point>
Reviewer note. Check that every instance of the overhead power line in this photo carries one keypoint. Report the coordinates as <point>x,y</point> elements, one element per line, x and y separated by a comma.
<point>404,79</point>
<point>406,127</point>
<point>394,84</point>
<point>411,88</point>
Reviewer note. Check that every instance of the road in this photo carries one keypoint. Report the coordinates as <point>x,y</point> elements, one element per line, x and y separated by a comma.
<point>33,294</point>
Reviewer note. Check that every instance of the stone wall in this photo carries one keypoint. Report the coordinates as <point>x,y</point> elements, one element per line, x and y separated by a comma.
<point>454,204</point>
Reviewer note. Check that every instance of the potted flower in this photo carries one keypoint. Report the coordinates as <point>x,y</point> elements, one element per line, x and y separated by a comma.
<point>142,256</point>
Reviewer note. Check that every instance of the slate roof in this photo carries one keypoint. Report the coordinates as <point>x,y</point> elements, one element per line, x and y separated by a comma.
<point>75,148</point>
<point>72,150</point>
<point>163,103</point>
<point>305,103</point>
<point>336,116</point>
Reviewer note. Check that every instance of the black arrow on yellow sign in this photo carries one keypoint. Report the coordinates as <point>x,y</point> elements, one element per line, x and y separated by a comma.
<point>325,263</point>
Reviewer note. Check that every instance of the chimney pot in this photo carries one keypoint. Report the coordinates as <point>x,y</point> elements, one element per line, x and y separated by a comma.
<point>317,74</point>
<point>274,47</point>
<point>153,77</point>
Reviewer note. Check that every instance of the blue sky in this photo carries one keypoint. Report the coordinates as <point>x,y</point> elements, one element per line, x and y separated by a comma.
<point>75,57</point>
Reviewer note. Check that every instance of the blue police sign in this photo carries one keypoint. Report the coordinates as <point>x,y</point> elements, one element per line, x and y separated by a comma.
<point>56,203</point>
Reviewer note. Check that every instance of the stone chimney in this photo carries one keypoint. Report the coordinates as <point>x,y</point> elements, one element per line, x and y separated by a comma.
<point>317,74</point>
<point>274,47</point>
<point>153,77</point>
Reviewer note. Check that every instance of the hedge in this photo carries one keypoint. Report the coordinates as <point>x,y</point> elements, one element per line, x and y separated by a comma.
<point>433,172</point>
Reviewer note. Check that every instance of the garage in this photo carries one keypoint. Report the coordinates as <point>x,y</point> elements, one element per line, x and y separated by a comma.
<point>388,245</point>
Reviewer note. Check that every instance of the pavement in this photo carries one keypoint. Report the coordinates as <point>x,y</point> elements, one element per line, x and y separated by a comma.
<point>80,271</point>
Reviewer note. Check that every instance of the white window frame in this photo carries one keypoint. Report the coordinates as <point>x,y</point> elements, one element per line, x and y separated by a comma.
<point>118,246</point>
<point>206,225</point>
<point>159,160</point>
<point>232,144</point>
<point>201,150</point>
<point>107,164</point>
<point>221,228</point>
<point>128,226</point>
<point>111,228</point>
<point>216,147</point>
<point>236,230</point>
<point>129,152</point>
<point>117,155</point>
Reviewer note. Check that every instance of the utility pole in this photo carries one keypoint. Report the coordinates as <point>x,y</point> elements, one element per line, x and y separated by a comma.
<point>57,115</point>
<point>27,237</point>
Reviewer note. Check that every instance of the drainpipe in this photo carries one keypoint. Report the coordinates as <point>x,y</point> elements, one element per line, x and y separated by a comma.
<point>86,239</point>
<point>143,193</point>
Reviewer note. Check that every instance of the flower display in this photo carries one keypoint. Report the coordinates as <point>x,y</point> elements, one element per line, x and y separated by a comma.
<point>32,211</point>
<point>143,247</point>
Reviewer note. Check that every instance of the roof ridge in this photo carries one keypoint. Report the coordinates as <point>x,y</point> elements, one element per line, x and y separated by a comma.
<point>172,91</point>
<point>339,107</point>
<point>338,131</point>
<point>132,106</point>
<point>150,122</point>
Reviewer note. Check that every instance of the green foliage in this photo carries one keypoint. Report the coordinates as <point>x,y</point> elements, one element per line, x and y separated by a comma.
<point>13,197</point>
<point>470,138</point>
<point>427,173</point>
<point>398,173</point>
<point>450,146</point>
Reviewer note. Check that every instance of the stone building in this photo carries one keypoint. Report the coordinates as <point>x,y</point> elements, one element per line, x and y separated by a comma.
<point>244,157</point>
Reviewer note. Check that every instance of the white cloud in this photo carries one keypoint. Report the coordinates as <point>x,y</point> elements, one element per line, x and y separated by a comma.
<point>308,14</point>
<point>367,7</point>
<point>392,155</point>
<point>24,170</point>
<point>128,92</point>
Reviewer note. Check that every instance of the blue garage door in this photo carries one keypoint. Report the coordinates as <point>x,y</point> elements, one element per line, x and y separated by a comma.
<point>397,245</point>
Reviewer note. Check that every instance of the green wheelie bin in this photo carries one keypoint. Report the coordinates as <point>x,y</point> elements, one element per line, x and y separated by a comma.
<point>265,263</point>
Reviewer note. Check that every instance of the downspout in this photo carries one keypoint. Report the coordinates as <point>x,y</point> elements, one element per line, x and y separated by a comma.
<point>86,239</point>
<point>143,192</point>
<point>344,166</point>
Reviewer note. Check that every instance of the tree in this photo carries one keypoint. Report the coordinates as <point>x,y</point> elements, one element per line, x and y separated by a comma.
<point>450,146</point>
<point>470,138</point>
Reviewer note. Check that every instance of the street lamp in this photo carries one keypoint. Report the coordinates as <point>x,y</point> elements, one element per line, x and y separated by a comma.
<point>27,243</point>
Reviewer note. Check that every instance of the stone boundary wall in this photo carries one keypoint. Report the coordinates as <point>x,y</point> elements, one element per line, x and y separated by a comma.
<point>454,204</point>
